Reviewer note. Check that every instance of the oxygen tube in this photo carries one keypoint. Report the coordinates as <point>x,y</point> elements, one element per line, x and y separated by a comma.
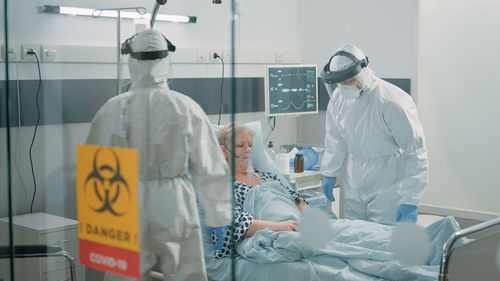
<point>245,159</point>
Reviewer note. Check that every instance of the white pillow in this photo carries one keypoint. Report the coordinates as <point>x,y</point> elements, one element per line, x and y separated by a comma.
<point>261,160</point>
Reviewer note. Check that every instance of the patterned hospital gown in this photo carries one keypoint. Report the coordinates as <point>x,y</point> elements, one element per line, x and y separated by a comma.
<point>242,219</point>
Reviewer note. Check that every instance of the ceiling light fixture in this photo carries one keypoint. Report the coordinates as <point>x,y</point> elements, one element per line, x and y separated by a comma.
<point>113,13</point>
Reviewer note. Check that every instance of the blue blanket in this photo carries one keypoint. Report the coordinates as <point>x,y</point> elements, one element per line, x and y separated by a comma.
<point>357,250</point>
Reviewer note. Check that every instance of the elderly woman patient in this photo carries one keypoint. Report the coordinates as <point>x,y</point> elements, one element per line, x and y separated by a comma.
<point>246,178</point>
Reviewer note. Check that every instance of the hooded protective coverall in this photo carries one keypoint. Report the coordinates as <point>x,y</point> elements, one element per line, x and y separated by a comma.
<point>173,136</point>
<point>377,135</point>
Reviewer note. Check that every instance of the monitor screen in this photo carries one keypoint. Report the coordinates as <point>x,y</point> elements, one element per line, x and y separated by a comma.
<point>291,90</point>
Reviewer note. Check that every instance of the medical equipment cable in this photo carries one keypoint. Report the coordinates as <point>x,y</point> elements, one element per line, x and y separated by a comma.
<point>31,52</point>
<point>19,135</point>
<point>221,85</point>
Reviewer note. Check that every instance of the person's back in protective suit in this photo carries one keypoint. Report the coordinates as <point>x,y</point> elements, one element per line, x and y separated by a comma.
<point>373,130</point>
<point>173,136</point>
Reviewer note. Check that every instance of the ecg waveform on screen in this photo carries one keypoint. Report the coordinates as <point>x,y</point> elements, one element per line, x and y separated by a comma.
<point>292,90</point>
<point>294,106</point>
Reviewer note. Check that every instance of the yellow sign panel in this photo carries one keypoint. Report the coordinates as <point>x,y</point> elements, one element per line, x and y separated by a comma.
<point>106,189</point>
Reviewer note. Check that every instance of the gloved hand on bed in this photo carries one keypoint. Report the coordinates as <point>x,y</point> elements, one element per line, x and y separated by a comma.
<point>220,233</point>
<point>328,185</point>
<point>407,212</point>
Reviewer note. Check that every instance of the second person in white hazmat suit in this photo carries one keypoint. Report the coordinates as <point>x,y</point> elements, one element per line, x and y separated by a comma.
<point>173,136</point>
<point>373,130</point>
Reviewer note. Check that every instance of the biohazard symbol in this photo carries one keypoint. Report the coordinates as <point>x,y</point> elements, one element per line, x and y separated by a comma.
<point>105,189</point>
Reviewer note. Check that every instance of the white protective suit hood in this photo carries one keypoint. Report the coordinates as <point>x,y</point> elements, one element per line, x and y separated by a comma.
<point>147,72</point>
<point>366,76</point>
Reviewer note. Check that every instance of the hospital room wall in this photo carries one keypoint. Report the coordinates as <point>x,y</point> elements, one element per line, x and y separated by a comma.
<point>449,50</point>
<point>458,101</point>
<point>385,30</point>
<point>55,146</point>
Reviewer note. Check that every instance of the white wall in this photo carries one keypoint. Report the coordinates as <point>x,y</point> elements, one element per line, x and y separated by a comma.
<point>384,29</point>
<point>275,29</point>
<point>458,95</point>
<point>448,49</point>
<point>54,148</point>
<point>54,153</point>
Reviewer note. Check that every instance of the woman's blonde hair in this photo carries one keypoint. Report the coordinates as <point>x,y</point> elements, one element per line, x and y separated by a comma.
<point>229,130</point>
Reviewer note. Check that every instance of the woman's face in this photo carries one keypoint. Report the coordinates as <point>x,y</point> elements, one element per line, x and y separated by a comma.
<point>243,148</point>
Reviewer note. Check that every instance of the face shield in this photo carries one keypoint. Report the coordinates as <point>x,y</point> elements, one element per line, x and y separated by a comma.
<point>329,88</point>
<point>331,78</point>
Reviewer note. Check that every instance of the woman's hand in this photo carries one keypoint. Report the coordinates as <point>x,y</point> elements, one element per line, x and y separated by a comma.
<point>274,226</point>
<point>284,226</point>
<point>302,205</point>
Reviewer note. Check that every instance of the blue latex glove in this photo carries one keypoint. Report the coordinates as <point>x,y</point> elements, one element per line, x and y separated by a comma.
<point>328,184</point>
<point>220,234</point>
<point>407,212</point>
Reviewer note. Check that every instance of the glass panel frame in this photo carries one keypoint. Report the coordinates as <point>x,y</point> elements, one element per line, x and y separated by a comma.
<point>55,143</point>
<point>5,147</point>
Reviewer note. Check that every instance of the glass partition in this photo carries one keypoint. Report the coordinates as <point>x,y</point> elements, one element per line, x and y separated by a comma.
<point>71,184</point>
<point>234,154</point>
<point>353,147</point>
<point>6,250</point>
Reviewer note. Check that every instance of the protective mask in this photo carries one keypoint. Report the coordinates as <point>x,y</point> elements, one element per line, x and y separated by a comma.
<point>244,161</point>
<point>245,158</point>
<point>348,91</point>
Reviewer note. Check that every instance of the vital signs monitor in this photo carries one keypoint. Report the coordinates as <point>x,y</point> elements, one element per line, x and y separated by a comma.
<point>291,90</point>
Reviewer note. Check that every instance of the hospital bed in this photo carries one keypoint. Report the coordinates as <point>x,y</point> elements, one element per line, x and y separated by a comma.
<point>472,261</point>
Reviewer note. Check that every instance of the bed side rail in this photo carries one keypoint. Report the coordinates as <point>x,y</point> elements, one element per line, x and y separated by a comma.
<point>448,246</point>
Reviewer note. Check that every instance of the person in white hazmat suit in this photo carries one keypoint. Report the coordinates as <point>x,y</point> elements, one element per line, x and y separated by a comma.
<point>173,136</point>
<point>373,130</point>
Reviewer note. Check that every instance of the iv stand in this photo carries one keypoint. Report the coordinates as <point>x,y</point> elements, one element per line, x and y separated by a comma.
<point>140,11</point>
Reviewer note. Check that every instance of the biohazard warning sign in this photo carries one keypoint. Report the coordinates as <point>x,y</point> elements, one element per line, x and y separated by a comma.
<point>108,214</point>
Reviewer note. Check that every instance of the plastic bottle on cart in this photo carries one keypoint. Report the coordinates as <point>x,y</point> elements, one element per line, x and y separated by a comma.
<point>298,166</point>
